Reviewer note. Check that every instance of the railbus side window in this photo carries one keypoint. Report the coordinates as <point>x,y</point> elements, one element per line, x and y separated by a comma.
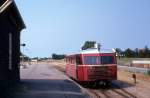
<point>72,60</point>
<point>78,60</point>
<point>66,60</point>
<point>69,60</point>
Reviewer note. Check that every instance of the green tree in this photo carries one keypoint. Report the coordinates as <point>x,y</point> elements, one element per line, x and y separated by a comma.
<point>88,44</point>
<point>129,53</point>
<point>119,52</point>
<point>136,52</point>
<point>146,51</point>
<point>141,53</point>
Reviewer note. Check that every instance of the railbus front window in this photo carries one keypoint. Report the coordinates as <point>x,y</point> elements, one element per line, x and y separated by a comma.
<point>107,60</point>
<point>91,60</point>
<point>97,60</point>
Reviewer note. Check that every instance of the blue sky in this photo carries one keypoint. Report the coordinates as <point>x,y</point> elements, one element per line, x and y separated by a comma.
<point>62,26</point>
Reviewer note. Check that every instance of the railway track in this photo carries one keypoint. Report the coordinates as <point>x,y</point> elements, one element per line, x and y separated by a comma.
<point>114,91</point>
<point>95,93</point>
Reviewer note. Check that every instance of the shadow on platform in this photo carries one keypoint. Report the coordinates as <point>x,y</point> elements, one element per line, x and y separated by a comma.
<point>44,88</point>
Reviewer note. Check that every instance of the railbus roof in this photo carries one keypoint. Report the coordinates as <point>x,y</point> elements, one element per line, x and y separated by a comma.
<point>91,51</point>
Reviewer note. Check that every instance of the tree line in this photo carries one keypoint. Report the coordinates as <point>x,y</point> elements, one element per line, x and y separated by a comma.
<point>58,56</point>
<point>134,53</point>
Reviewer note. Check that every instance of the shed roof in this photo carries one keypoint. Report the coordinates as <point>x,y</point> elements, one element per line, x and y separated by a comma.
<point>2,2</point>
<point>5,4</point>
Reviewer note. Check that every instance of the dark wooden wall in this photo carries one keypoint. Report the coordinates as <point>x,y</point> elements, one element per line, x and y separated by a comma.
<point>7,26</point>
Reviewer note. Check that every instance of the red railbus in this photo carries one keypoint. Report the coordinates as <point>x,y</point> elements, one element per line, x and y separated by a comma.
<point>92,66</point>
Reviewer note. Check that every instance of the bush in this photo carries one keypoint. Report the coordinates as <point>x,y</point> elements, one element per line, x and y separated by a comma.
<point>148,72</point>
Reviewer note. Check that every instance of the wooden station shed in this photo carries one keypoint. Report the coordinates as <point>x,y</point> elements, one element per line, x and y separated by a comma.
<point>11,24</point>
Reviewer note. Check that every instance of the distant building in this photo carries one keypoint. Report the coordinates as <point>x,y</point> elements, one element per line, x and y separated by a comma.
<point>11,25</point>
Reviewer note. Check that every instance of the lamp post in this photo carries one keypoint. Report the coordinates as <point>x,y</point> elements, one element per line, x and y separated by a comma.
<point>23,44</point>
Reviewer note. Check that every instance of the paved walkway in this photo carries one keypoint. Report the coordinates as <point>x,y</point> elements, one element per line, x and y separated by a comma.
<point>45,81</point>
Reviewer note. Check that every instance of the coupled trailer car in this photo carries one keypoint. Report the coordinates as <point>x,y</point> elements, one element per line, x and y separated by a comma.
<point>92,66</point>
